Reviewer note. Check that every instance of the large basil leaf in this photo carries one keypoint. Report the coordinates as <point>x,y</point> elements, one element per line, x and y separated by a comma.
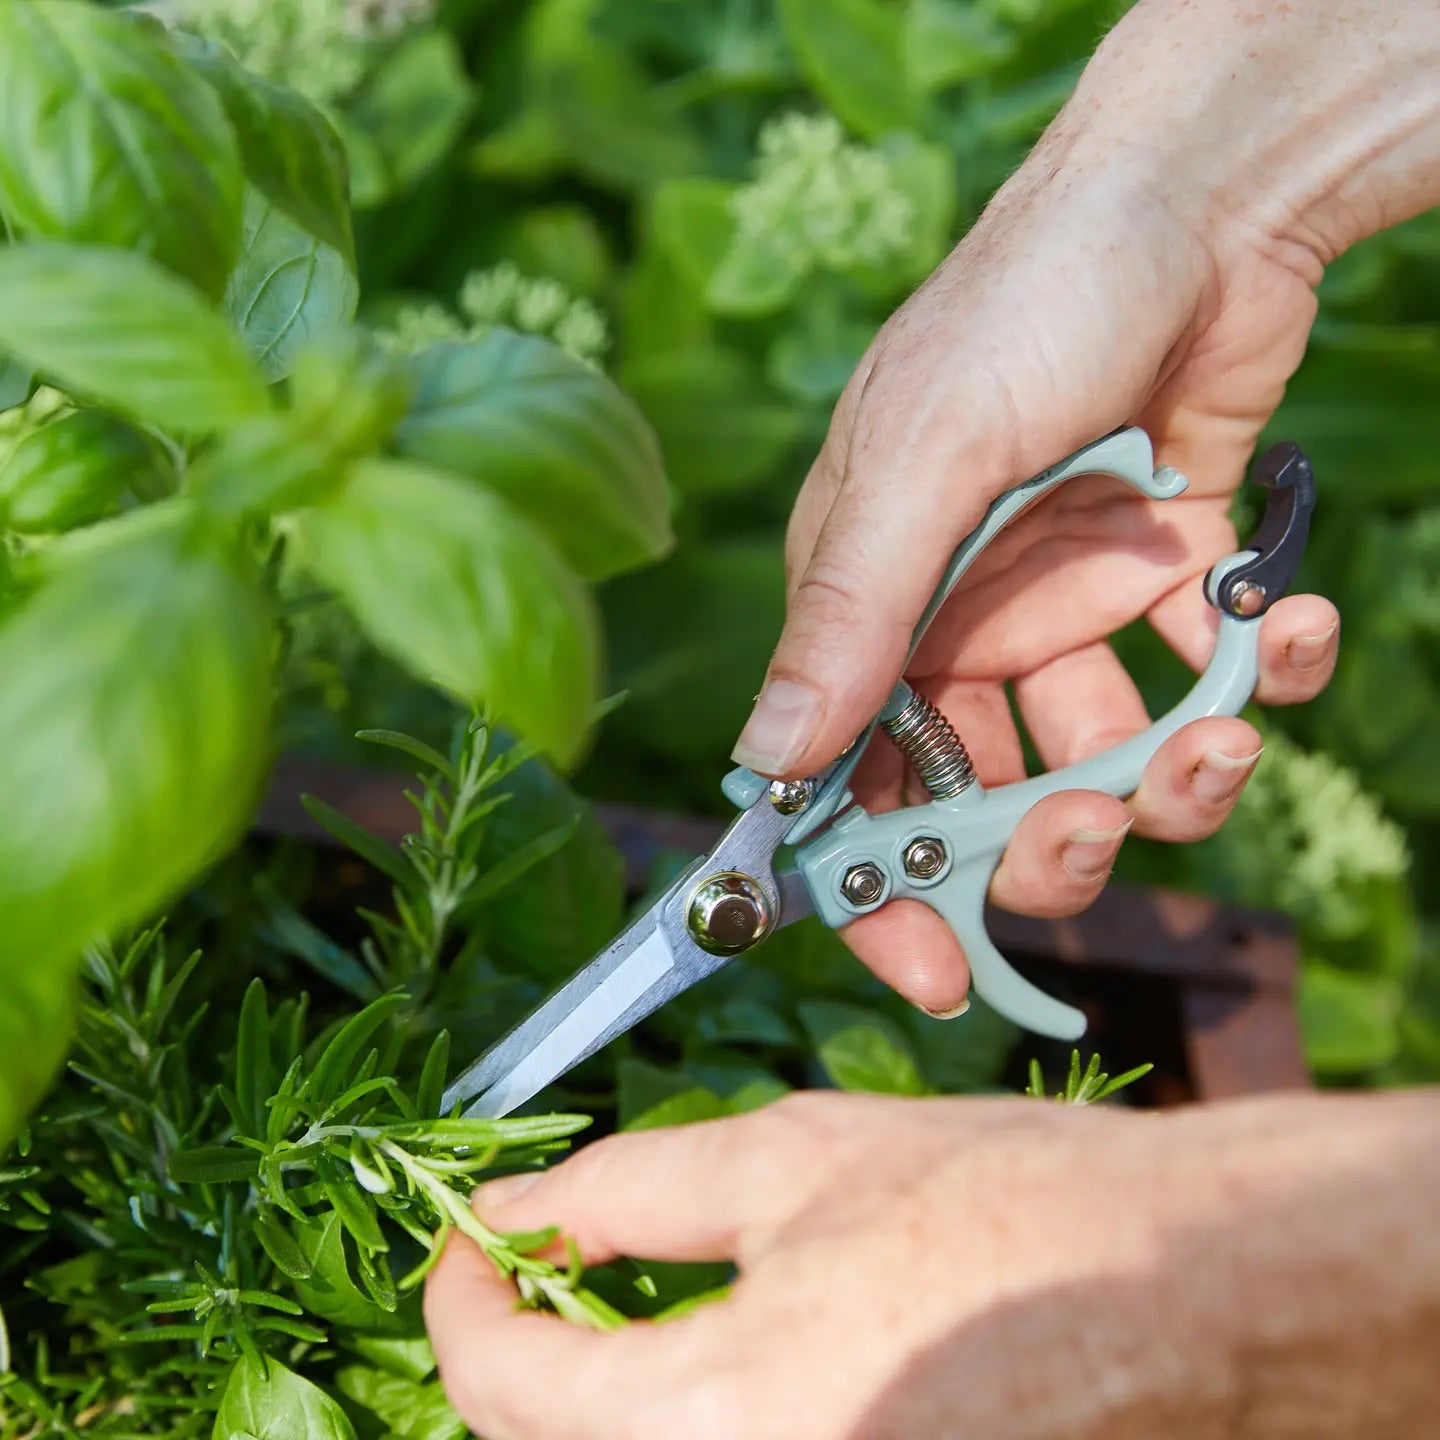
<point>851,51</point>
<point>132,741</point>
<point>110,325</point>
<point>464,591</point>
<point>73,469</point>
<point>557,439</point>
<point>409,1410</point>
<point>107,138</point>
<point>330,1292</point>
<point>288,286</point>
<point>290,151</point>
<point>264,1400</point>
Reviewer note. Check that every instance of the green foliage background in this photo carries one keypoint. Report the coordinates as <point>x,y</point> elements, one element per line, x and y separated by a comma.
<point>714,204</point>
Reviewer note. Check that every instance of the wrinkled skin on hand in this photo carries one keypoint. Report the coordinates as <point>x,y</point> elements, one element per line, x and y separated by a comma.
<point>1006,1269</point>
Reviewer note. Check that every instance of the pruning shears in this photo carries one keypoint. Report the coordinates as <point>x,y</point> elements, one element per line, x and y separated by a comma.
<point>942,853</point>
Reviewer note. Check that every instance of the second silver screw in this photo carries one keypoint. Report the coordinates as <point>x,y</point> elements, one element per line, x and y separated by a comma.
<point>863,884</point>
<point>925,858</point>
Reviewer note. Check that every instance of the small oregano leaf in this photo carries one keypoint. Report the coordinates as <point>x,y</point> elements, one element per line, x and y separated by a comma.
<point>110,325</point>
<point>106,138</point>
<point>493,615</point>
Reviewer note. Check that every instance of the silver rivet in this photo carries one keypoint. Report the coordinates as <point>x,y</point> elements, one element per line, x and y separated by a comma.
<point>863,884</point>
<point>925,857</point>
<point>1246,597</point>
<point>728,913</point>
<point>790,797</point>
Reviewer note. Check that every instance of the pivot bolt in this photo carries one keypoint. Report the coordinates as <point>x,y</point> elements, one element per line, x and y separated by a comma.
<point>925,858</point>
<point>790,797</point>
<point>1246,597</point>
<point>863,884</point>
<point>728,913</point>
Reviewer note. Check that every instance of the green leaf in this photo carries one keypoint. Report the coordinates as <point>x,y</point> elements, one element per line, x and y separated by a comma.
<point>948,41</point>
<point>263,1399</point>
<point>335,1068</point>
<point>410,1358</point>
<point>514,1130</point>
<point>569,904</point>
<point>110,325</point>
<point>212,1164</point>
<point>493,616</point>
<point>72,470</point>
<point>1363,405</point>
<point>650,1097</point>
<point>254,1068</point>
<point>107,139</point>
<point>851,52</point>
<point>280,1245</point>
<point>428,757</point>
<point>133,739</point>
<point>354,836</point>
<point>330,1292</point>
<point>410,112</point>
<point>354,1207</point>
<point>757,278</point>
<point>604,112</point>
<point>431,1086</point>
<point>290,152</point>
<point>287,286</point>
<point>1349,1022</point>
<point>721,428</point>
<point>691,680</point>
<point>691,220</point>
<point>557,439</point>
<point>417,1412</point>
<point>861,1050</point>
<point>16,384</point>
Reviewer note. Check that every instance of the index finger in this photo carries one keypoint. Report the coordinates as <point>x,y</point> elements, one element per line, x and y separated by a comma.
<point>521,1375</point>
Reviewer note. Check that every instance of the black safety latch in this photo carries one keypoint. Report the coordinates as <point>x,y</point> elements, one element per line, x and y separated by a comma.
<point>1251,589</point>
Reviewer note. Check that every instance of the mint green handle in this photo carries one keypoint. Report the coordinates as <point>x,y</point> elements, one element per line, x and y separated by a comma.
<point>976,826</point>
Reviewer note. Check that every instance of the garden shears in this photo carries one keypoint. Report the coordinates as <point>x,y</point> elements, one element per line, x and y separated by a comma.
<point>941,853</point>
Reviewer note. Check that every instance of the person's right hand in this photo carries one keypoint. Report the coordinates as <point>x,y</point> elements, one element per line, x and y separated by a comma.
<point>1154,262</point>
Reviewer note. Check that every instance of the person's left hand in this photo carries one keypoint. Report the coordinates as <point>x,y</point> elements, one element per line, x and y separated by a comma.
<point>939,1268</point>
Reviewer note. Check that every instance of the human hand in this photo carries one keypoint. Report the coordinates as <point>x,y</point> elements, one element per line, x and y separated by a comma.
<point>1003,1269</point>
<point>1152,262</point>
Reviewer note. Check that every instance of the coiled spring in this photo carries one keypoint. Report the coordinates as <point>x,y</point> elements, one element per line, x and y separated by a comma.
<point>929,742</point>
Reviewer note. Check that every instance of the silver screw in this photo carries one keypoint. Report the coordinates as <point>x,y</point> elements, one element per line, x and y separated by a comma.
<point>790,797</point>
<point>728,913</point>
<point>863,884</point>
<point>925,857</point>
<point>1246,597</point>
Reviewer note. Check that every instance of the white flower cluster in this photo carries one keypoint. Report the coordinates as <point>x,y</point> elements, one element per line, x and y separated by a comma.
<point>502,295</point>
<point>1307,837</point>
<point>322,48</point>
<point>833,204</point>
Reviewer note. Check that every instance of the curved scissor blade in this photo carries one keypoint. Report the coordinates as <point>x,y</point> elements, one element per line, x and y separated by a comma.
<point>591,1009</point>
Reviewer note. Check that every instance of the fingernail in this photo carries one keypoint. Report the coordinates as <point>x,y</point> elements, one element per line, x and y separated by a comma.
<point>782,722</point>
<point>1089,854</point>
<point>1218,777</point>
<point>504,1192</point>
<point>1305,652</point>
<point>951,1014</point>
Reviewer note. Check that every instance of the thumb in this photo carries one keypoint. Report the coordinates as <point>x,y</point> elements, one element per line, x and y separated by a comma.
<point>906,472</point>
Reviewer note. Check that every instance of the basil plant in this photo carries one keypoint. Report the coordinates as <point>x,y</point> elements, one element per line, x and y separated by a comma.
<point>187,415</point>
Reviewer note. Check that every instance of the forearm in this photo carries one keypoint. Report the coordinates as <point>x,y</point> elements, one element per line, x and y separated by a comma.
<point>1308,1265</point>
<point>1313,124</point>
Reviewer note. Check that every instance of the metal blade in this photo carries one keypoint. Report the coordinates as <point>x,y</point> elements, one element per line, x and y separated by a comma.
<point>647,965</point>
